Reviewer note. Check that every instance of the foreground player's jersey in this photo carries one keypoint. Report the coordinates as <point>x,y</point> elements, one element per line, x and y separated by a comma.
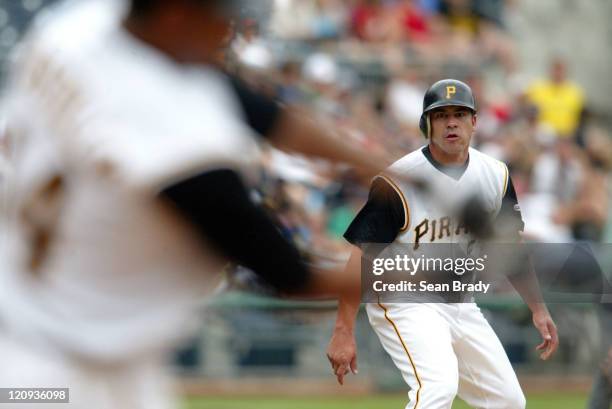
<point>431,214</point>
<point>94,264</point>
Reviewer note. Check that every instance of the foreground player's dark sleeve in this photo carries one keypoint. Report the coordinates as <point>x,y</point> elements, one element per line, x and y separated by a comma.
<point>509,221</point>
<point>217,204</point>
<point>261,112</point>
<point>381,219</point>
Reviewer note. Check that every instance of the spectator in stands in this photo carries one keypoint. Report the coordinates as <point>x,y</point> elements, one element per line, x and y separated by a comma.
<point>413,21</point>
<point>587,213</point>
<point>475,32</point>
<point>292,19</point>
<point>329,19</point>
<point>404,97</point>
<point>289,89</point>
<point>559,100</point>
<point>372,22</point>
<point>429,7</point>
<point>461,16</point>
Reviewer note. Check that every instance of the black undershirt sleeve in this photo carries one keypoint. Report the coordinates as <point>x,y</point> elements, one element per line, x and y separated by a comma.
<point>509,221</point>
<point>217,204</point>
<point>261,112</point>
<point>381,219</point>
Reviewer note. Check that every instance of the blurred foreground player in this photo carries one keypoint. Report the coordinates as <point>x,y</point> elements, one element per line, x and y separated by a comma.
<point>127,148</point>
<point>442,344</point>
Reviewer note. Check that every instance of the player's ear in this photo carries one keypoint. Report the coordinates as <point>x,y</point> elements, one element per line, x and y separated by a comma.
<point>474,119</point>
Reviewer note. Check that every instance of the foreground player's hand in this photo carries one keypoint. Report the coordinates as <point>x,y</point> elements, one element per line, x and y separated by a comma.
<point>342,353</point>
<point>548,330</point>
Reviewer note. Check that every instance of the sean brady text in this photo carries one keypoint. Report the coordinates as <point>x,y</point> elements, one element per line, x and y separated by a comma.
<point>424,286</point>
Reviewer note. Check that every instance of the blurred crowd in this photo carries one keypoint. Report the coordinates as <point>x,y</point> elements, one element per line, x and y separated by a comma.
<point>362,67</point>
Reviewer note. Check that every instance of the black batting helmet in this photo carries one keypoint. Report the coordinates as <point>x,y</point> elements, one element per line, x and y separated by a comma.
<point>444,93</point>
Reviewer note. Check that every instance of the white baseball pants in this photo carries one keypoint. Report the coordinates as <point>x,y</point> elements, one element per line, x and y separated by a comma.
<point>444,350</point>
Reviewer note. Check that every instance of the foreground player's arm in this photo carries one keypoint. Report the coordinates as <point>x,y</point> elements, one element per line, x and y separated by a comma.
<point>525,282</point>
<point>380,220</point>
<point>290,131</point>
<point>296,133</point>
<point>217,204</point>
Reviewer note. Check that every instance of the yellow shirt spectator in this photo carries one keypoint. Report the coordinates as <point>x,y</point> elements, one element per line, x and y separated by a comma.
<point>559,105</point>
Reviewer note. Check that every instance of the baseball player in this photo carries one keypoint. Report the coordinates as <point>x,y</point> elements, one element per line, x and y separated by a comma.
<point>441,349</point>
<point>128,148</point>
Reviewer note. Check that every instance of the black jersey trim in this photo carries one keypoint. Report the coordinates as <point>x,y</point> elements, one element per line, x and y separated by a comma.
<point>402,198</point>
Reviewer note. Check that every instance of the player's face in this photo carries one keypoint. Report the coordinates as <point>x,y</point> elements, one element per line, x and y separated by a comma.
<point>451,130</point>
<point>200,31</point>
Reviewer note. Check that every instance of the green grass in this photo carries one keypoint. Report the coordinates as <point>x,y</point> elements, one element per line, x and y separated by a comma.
<point>534,401</point>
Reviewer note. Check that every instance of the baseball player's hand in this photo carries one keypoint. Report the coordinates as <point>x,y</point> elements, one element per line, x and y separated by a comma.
<point>548,330</point>
<point>342,353</point>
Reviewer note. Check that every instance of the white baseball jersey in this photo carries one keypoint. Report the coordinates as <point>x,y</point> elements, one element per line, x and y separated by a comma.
<point>445,349</point>
<point>96,266</point>
<point>431,216</point>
